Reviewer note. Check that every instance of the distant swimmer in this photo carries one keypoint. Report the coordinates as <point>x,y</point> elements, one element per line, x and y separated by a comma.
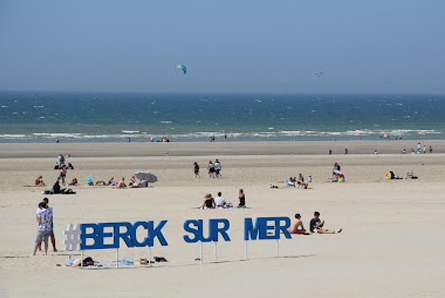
<point>319,74</point>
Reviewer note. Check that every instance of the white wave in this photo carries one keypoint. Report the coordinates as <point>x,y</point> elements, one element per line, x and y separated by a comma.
<point>56,134</point>
<point>13,136</point>
<point>167,122</point>
<point>5,106</point>
<point>130,131</point>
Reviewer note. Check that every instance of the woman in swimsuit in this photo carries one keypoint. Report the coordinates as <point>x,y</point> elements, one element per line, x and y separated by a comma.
<point>242,199</point>
<point>209,202</point>
<point>211,169</point>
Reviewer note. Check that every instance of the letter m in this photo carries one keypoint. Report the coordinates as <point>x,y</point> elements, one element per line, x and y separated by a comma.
<point>251,231</point>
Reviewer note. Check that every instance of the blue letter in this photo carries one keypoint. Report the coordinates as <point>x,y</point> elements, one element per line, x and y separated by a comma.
<point>283,228</point>
<point>215,230</point>
<point>126,235</point>
<point>250,230</point>
<point>194,231</point>
<point>134,232</point>
<point>153,233</point>
<point>95,235</point>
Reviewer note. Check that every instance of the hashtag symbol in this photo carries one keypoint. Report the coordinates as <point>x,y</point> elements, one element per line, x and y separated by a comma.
<point>72,237</point>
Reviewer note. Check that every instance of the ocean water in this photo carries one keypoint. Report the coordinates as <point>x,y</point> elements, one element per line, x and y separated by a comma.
<point>115,117</point>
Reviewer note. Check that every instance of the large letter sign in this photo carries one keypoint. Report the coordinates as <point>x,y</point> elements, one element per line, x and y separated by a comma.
<point>261,227</point>
<point>98,235</point>
<point>195,227</point>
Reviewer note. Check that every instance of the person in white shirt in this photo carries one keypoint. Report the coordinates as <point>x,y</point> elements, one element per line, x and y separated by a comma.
<point>53,238</point>
<point>218,168</point>
<point>220,202</point>
<point>44,218</point>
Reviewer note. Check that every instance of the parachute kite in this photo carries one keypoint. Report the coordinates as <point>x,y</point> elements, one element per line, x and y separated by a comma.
<point>319,74</point>
<point>182,66</point>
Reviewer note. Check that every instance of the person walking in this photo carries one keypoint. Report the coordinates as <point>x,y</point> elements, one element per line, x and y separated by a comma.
<point>196,169</point>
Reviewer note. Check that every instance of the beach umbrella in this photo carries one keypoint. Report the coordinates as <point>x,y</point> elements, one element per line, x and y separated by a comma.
<point>147,176</point>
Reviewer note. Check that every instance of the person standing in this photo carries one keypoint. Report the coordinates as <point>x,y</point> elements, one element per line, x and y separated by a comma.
<point>424,149</point>
<point>218,168</point>
<point>62,174</point>
<point>431,149</point>
<point>211,169</point>
<point>53,238</point>
<point>61,160</point>
<point>44,218</point>
<point>196,169</point>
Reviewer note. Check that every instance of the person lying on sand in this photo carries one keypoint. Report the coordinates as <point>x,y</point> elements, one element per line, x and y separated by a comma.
<point>316,225</point>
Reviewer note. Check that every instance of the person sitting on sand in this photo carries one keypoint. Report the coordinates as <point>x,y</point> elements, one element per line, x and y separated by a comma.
<point>296,225</point>
<point>121,184</point>
<point>111,181</point>
<point>132,181</point>
<point>73,182</point>
<point>316,225</point>
<point>56,166</point>
<point>209,202</point>
<point>300,181</point>
<point>242,199</point>
<point>39,181</point>
<point>220,201</point>
<point>137,185</point>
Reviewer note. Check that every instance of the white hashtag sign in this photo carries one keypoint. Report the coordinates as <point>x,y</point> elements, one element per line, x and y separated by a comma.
<point>72,237</point>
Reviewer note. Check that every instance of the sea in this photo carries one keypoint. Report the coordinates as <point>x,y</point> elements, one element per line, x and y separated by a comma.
<point>43,117</point>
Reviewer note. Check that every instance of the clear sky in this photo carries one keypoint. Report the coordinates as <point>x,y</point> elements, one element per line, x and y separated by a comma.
<point>377,46</point>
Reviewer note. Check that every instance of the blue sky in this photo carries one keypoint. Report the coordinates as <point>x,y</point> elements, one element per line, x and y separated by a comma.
<point>228,46</point>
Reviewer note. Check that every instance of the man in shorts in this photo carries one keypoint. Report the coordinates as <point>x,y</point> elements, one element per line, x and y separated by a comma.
<point>53,238</point>
<point>296,225</point>
<point>44,218</point>
<point>316,225</point>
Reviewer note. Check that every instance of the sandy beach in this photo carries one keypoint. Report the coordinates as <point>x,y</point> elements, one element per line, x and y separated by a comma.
<point>391,244</point>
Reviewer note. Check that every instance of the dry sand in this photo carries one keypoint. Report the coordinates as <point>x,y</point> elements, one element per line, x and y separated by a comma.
<point>392,244</point>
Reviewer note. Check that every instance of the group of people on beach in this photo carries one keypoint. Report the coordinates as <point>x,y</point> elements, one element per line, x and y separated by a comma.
<point>299,182</point>
<point>213,169</point>
<point>220,203</point>
<point>118,184</point>
<point>316,225</point>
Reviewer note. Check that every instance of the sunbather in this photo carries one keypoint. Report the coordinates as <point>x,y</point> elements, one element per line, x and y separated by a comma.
<point>121,184</point>
<point>296,226</point>
<point>209,202</point>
